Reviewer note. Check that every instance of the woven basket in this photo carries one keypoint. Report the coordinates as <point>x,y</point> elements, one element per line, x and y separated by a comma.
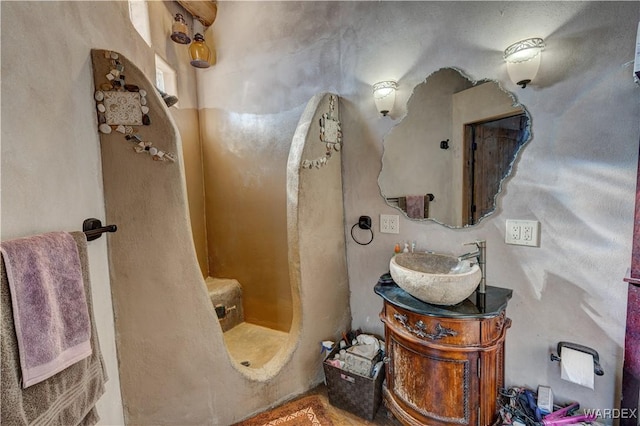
<point>352,392</point>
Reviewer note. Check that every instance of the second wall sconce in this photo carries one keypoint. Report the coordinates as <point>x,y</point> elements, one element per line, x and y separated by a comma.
<point>199,52</point>
<point>523,60</point>
<point>384,95</point>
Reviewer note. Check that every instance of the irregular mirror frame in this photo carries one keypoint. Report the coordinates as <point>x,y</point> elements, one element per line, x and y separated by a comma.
<point>451,154</point>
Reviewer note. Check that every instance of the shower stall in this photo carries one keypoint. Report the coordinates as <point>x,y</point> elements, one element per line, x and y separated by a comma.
<point>173,360</point>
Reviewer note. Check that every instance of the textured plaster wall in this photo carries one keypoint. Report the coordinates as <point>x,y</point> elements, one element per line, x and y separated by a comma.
<point>577,176</point>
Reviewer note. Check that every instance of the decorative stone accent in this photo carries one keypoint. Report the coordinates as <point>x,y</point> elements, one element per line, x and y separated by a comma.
<point>142,146</point>
<point>104,128</point>
<point>122,106</point>
<point>330,135</point>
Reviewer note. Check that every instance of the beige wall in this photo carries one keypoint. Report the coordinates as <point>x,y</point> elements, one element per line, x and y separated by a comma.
<point>188,122</point>
<point>51,166</point>
<point>245,165</point>
<point>185,114</point>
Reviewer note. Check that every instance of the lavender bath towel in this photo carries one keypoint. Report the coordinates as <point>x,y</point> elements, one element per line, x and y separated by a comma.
<point>49,304</point>
<point>415,206</point>
<point>65,399</point>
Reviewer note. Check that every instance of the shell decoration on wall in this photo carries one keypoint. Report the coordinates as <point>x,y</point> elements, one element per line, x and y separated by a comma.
<point>121,106</point>
<point>330,136</point>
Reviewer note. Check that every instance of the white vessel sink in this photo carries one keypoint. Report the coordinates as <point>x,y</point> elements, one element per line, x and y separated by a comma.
<point>435,278</point>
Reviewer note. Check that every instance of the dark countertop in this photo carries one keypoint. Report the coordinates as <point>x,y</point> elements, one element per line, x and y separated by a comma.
<point>495,301</point>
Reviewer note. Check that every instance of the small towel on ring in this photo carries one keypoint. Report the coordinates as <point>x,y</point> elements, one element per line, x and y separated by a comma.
<point>51,317</point>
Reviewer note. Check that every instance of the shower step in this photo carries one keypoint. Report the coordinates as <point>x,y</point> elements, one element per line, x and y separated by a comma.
<point>227,293</point>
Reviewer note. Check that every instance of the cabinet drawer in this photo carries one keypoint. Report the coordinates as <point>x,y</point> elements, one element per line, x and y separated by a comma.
<point>433,330</point>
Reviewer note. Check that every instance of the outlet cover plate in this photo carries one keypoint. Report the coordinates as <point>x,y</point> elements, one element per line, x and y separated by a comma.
<point>522,232</point>
<point>389,224</point>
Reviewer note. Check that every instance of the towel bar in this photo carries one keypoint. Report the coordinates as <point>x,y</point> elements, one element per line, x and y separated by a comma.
<point>93,228</point>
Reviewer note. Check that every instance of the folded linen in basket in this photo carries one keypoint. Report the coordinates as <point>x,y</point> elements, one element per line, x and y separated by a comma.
<point>49,304</point>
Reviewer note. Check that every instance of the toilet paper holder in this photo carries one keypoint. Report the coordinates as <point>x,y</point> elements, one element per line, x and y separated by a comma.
<point>597,369</point>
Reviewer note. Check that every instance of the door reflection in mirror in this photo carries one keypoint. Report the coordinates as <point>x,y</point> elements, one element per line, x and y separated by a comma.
<point>490,148</point>
<point>456,187</point>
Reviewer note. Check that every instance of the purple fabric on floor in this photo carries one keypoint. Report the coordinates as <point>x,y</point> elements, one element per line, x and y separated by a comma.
<point>50,312</point>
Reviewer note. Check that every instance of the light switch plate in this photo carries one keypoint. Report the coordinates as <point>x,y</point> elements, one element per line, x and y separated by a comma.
<point>522,232</point>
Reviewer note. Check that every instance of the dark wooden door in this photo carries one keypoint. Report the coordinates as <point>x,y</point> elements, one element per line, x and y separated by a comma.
<point>491,149</point>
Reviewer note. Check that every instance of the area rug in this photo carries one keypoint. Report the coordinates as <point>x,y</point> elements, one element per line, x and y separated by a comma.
<point>307,411</point>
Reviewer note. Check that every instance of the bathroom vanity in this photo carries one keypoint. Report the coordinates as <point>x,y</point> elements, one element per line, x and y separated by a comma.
<point>445,364</point>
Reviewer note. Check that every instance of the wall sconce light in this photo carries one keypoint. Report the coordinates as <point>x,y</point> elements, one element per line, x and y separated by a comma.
<point>179,30</point>
<point>199,52</point>
<point>523,60</point>
<point>384,95</point>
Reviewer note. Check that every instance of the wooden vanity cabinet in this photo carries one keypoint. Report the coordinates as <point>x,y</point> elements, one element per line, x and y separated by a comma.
<point>444,367</point>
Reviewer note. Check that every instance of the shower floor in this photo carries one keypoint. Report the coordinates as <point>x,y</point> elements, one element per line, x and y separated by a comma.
<point>253,343</point>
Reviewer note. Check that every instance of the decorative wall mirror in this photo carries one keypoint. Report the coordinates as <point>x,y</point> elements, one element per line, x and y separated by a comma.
<point>449,157</point>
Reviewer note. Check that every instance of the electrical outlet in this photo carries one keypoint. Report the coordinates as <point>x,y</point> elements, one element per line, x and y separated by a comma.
<point>389,224</point>
<point>513,231</point>
<point>523,232</point>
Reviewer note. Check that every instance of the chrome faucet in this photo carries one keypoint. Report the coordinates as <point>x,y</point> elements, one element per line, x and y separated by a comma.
<point>481,255</point>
